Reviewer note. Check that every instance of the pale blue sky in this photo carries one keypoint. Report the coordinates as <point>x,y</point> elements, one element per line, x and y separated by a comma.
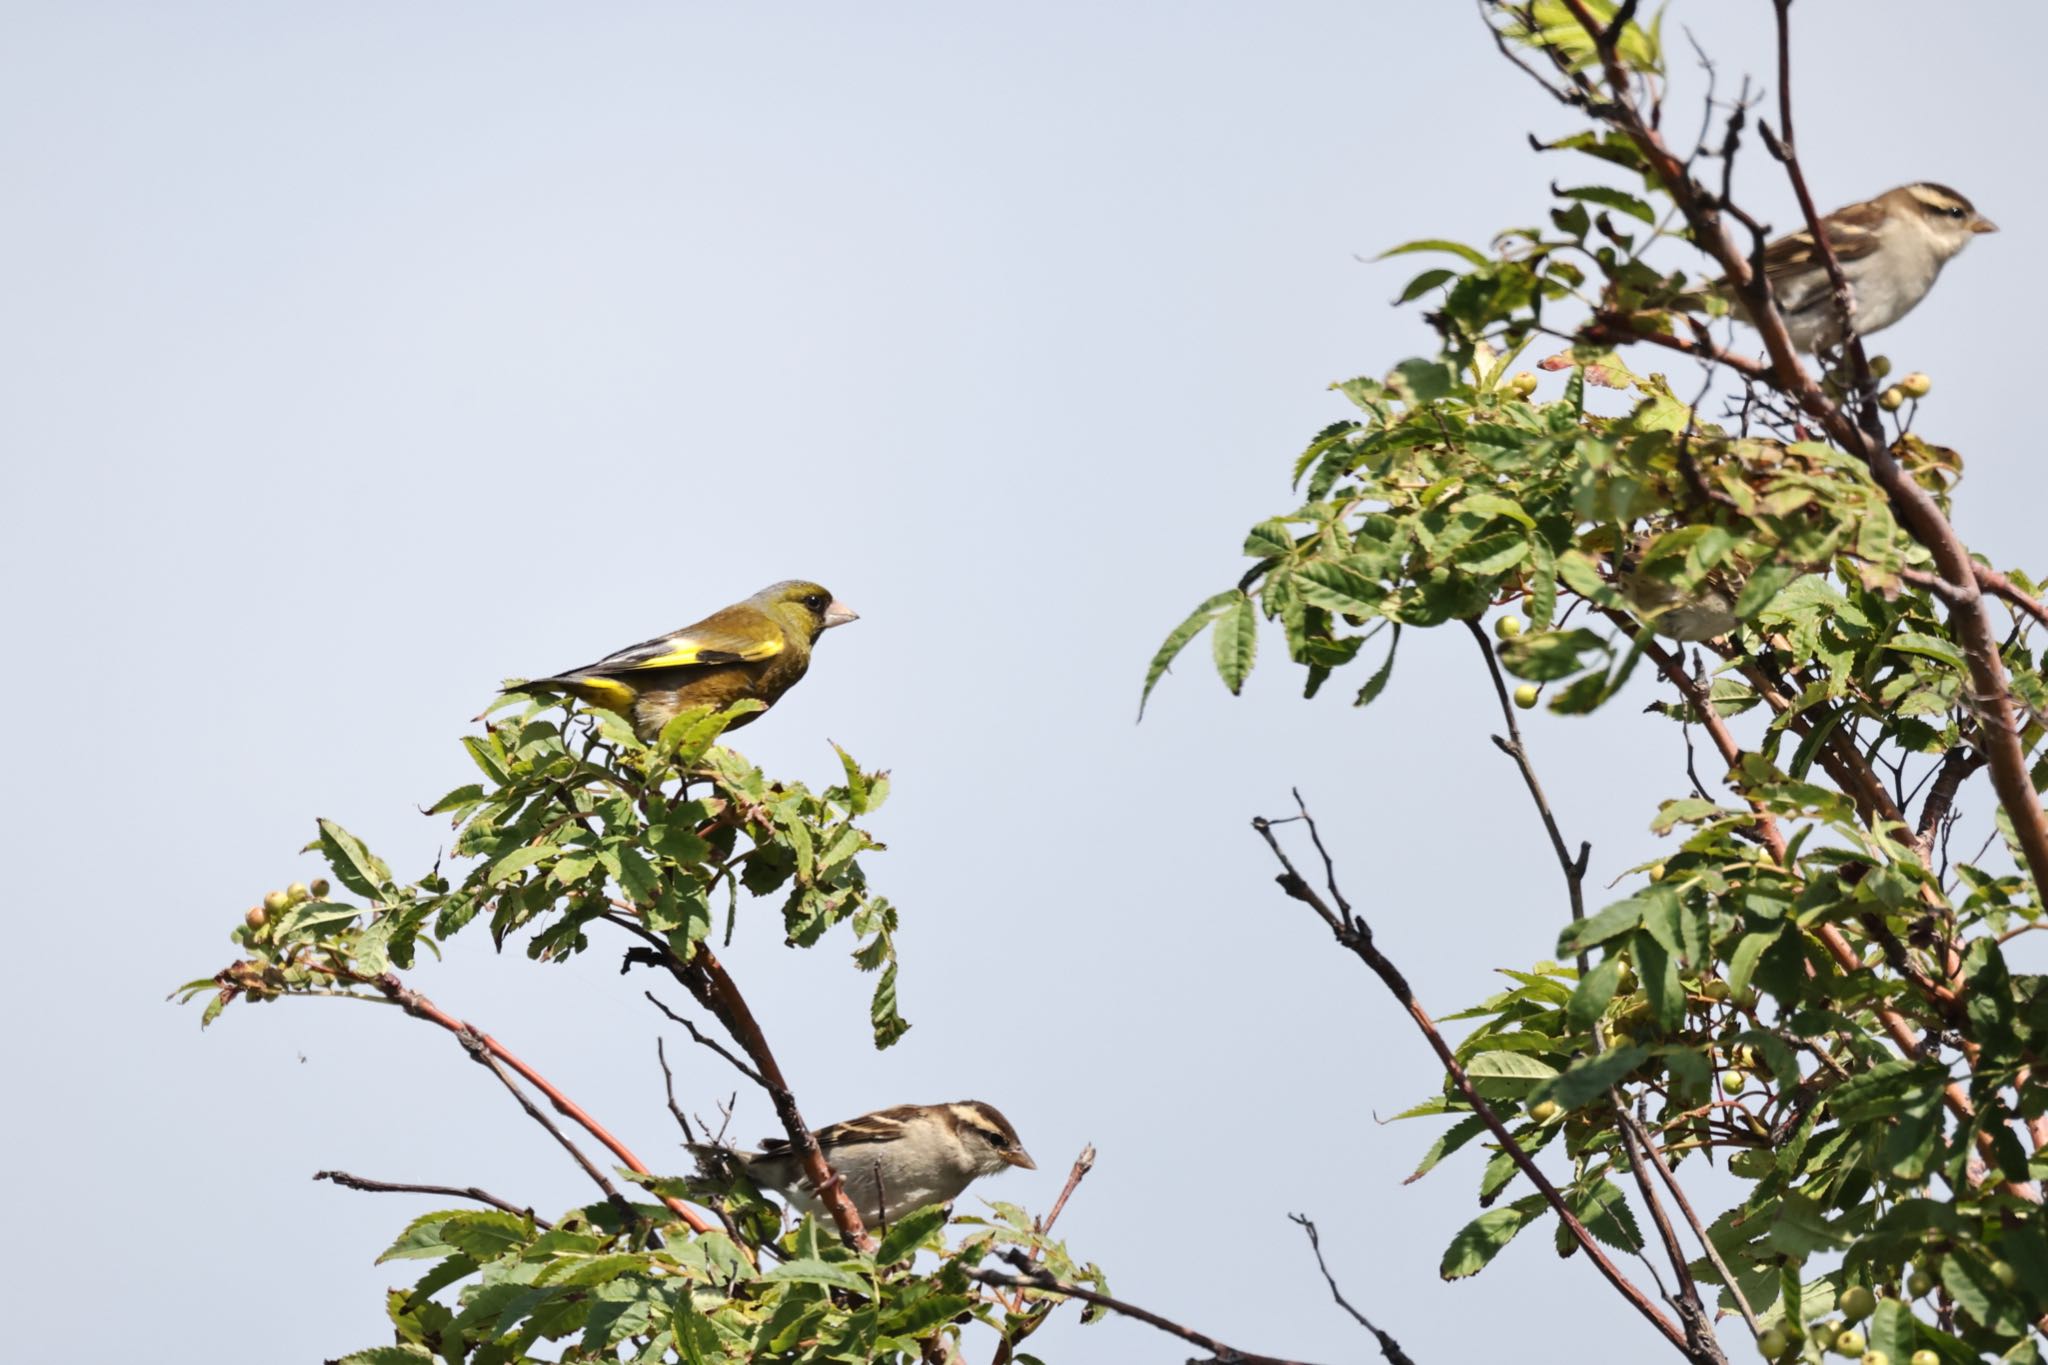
<point>354,357</point>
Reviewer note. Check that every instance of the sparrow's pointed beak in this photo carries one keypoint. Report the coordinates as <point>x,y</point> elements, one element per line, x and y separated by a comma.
<point>1020,1157</point>
<point>838,614</point>
<point>1982,224</point>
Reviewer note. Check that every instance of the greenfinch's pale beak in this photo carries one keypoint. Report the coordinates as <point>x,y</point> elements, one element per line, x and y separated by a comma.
<point>838,614</point>
<point>1979,223</point>
<point>1020,1157</point>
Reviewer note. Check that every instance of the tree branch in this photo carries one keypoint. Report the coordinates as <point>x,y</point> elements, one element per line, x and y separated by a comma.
<point>1389,1348</point>
<point>481,1044</point>
<point>1916,508</point>
<point>1356,936</point>
<point>1699,1329</point>
<point>712,987</point>
<point>1037,1278</point>
<point>711,1043</point>
<point>357,1182</point>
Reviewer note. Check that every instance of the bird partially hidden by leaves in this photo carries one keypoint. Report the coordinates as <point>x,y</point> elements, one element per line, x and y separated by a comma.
<point>753,650</point>
<point>893,1160</point>
<point>1706,611</point>
<point>1891,249</point>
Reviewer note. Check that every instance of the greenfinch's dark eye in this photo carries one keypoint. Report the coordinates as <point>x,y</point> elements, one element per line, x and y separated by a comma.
<point>815,601</point>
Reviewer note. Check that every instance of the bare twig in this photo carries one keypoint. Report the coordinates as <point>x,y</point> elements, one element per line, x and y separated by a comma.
<point>1356,936</point>
<point>1083,1164</point>
<point>668,1087</point>
<point>707,981</point>
<point>1701,1344</point>
<point>1026,1324</point>
<point>1699,1330</point>
<point>357,1182</point>
<point>1389,1348</point>
<point>1036,1278</point>
<point>1574,868</point>
<point>703,1041</point>
<point>1693,1220</point>
<point>474,1043</point>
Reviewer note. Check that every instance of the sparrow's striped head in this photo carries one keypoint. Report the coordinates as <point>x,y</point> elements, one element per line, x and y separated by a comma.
<point>1948,213</point>
<point>982,1127</point>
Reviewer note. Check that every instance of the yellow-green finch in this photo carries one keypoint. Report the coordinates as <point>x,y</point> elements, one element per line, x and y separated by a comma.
<point>756,649</point>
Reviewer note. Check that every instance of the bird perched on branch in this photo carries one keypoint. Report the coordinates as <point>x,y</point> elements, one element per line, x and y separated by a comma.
<point>756,649</point>
<point>1891,248</point>
<point>893,1160</point>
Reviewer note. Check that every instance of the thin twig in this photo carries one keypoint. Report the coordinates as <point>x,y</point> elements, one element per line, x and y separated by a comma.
<point>481,1044</point>
<point>357,1182</point>
<point>1035,1278</point>
<point>1357,938</point>
<point>707,981</point>
<point>1574,868</point>
<point>1389,1347</point>
<point>703,1041</point>
<point>474,1043</point>
<point>1693,1220</point>
<point>1083,1164</point>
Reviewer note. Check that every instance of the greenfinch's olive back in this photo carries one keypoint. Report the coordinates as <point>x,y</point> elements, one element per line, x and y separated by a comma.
<point>756,649</point>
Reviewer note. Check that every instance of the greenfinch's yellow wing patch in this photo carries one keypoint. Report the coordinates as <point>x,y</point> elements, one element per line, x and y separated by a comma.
<point>685,651</point>
<point>738,635</point>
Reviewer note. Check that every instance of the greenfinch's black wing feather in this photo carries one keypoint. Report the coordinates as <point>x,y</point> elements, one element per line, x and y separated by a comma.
<point>739,634</point>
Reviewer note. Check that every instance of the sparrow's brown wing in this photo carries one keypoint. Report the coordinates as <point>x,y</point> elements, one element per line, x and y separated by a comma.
<point>1793,264</point>
<point>881,1126</point>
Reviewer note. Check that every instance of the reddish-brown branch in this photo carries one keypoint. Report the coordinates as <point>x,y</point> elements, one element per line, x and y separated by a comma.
<point>417,1005</point>
<point>712,987</point>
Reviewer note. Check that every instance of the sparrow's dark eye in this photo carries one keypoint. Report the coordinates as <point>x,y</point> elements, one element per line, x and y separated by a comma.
<point>1954,212</point>
<point>996,1140</point>
<point>815,601</point>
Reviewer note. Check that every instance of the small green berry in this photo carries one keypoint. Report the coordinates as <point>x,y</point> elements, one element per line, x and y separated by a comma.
<point>1856,1303</point>
<point>1773,1343</point>
<point>1734,1082</point>
<point>1923,1356</point>
<point>1507,627</point>
<point>1919,1285</point>
<point>1527,694</point>
<point>319,888</point>
<point>277,902</point>
<point>297,892</point>
<point>1915,385</point>
<point>1849,1342</point>
<point>1545,1111</point>
<point>1892,399</point>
